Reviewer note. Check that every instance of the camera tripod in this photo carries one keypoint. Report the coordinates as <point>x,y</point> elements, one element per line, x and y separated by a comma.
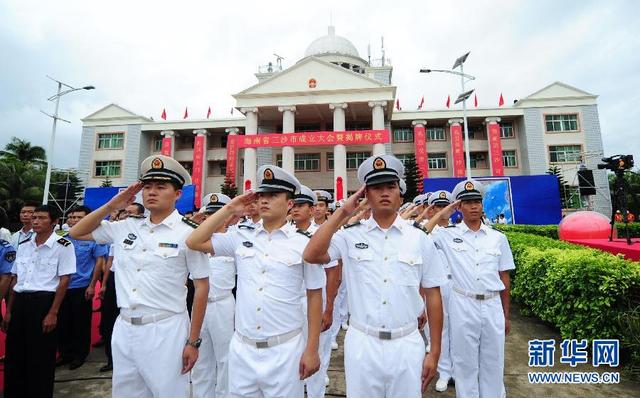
<point>620,203</point>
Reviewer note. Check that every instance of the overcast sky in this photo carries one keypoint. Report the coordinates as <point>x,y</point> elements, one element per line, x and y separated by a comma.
<point>150,55</point>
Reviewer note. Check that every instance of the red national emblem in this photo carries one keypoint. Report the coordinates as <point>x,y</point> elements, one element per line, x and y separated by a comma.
<point>312,83</point>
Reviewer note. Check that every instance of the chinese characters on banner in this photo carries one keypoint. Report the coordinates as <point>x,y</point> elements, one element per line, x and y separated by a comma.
<point>166,146</point>
<point>232,156</point>
<point>198,160</point>
<point>316,138</point>
<point>457,150</point>
<point>420,142</point>
<point>495,149</point>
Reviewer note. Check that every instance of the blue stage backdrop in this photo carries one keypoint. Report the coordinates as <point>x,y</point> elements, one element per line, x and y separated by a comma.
<point>523,199</point>
<point>96,197</point>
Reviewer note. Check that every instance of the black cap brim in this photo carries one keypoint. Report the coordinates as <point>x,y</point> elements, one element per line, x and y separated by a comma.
<point>381,179</point>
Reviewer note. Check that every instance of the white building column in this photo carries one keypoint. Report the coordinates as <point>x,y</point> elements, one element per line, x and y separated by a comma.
<point>250,154</point>
<point>168,142</point>
<point>339,151</point>
<point>288,127</point>
<point>377,123</point>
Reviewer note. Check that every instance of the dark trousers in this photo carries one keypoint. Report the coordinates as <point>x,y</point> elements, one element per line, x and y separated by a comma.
<point>29,365</point>
<point>109,313</point>
<point>74,321</point>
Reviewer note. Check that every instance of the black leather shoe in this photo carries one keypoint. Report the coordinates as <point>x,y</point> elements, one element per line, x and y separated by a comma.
<point>63,361</point>
<point>106,368</point>
<point>75,364</point>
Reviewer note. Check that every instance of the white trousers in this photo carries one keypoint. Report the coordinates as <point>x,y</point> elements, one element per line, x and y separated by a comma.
<point>477,346</point>
<point>340,310</point>
<point>147,359</point>
<point>210,375</point>
<point>445,365</point>
<point>265,372</point>
<point>315,384</point>
<point>377,368</point>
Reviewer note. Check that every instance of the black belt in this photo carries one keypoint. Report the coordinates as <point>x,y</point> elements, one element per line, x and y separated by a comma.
<point>34,294</point>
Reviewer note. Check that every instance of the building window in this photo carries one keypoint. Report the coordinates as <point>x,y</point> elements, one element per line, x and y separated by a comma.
<point>355,159</point>
<point>217,168</point>
<point>437,161</point>
<point>157,144</point>
<point>223,141</point>
<point>329,161</point>
<point>476,132</point>
<point>111,141</point>
<point>351,126</point>
<point>304,128</point>
<point>303,161</point>
<point>185,142</point>
<point>436,134</point>
<point>506,130</point>
<point>187,166</point>
<point>403,135</point>
<point>404,157</point>
<point>565,153</point>
<point>478,160</point>
<point>556,123</point>
<point>509,159</point>
<point>109,168</point>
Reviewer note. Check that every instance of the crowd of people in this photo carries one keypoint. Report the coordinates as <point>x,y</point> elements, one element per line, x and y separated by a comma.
<point>245,297</point>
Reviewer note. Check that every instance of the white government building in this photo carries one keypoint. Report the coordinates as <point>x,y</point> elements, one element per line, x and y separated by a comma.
<point>332,88</point>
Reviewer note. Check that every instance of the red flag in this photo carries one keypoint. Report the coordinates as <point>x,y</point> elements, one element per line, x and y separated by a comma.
<point>421,103</point>
<point>448,100</point>
<point>398,104</point>
<point>164,114</point>
<point>475,100</point>
<point>186,113</point>
<point>501,101</point>
<point>209,113</point>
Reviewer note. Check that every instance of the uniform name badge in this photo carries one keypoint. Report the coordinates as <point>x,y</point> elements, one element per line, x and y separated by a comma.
<point>361,245</point>
<point>168,245</point>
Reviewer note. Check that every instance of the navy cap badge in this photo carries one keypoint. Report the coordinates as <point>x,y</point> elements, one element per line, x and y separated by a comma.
<point>213,199</point>
<point>443,195</point>
<point>268,174</point>
<point>157,163</point>
<point>468,186</point>
<point>379,163</point>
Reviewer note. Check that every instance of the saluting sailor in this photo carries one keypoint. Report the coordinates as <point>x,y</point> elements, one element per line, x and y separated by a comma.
<point>42,266</point>
<point>479,259</point>
<point>385,262</point>
<point>268,356</point>
<point>210,375</point>
<point>154,345</point>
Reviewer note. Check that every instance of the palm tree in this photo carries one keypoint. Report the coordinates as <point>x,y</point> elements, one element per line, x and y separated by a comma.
<point>23,151</point>
<point>19,183</point>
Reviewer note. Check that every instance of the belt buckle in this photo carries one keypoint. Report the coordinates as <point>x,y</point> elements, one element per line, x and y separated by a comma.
<point>136,321</point>
<point>480,297</point>
<point>384,335</point>
<point>262,344</point>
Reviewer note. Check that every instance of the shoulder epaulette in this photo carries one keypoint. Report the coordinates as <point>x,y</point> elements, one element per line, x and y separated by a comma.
<point>416,224</point>
<point>245,226</point>
<point>352,224</point>
<point>137,216</point>
<point>64,242</point>
<point>189,222</point>
<point>305,233</point>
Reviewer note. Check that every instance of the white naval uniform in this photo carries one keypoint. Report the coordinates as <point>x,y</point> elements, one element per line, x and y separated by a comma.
<point>383,270</point>
<point>477,326</point>
<point>210,375</point>
<point>316,385</point>
<point>445,365</point>
<point>271,276</point>
<point>150,334</point>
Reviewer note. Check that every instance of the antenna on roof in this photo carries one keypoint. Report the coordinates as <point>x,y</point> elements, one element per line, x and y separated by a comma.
<point>369,52</point>
<point>278,61</point>
<point>382,41</point>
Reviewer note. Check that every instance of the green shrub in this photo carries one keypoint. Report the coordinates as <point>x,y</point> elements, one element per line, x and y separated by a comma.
<point>549,231</point>
<point>634,229</point>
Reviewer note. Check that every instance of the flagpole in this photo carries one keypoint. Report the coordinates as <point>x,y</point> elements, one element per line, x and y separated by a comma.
<point>466,127</point>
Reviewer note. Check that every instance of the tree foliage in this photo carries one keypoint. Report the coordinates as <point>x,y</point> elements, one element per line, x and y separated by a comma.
<point>413,178</point>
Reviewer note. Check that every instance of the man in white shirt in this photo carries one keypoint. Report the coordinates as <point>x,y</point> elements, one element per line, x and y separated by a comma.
<point>42,268</point>
<point>24,233</point>
<point>154,345</point>
<point>385,263</point>
<point>268,356</point>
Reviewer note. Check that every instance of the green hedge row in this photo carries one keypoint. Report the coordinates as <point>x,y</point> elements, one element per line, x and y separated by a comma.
<point>550,231</point>
<point>634,229</point>
<point>584,292</point>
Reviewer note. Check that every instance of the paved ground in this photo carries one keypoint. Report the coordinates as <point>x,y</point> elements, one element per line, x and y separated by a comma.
<point>88,382</point>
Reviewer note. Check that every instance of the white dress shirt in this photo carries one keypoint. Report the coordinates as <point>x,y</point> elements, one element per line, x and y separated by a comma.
<point>271,278</point>
<point>39,268</point>
<point>20,236</point>
<point>384,269</point>
<point>475,257</point>
<point>153,262</point>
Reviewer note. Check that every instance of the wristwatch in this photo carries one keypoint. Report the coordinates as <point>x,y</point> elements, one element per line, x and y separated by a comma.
<point>195,344</point>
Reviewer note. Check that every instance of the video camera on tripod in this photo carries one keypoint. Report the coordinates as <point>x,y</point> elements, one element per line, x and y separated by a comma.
<point>617,163</point>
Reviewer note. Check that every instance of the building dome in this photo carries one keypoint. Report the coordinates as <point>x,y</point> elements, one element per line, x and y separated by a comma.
<point>331,44</point>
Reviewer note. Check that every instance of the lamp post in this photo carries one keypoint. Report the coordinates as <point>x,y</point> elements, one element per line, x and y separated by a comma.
<point>461,98</point>
<point>55,117</point>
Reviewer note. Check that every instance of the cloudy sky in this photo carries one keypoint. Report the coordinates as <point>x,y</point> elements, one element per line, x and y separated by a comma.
<point>150,55</point>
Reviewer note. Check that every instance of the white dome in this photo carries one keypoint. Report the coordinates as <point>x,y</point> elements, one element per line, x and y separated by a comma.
<point>331,44</point>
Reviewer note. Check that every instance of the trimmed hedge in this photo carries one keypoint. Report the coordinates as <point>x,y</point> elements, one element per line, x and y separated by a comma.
<point>584,292</point>
<point>549,231</point>
<point>634,229</point>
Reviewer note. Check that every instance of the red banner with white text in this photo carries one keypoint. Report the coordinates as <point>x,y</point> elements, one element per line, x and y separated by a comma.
<point>457,148</point>
<point>420,143</point>
<point>198,167</point>
<point>166,146</point>
<point>358,137</point>
<point>495,149</point>
<point>232,156</point>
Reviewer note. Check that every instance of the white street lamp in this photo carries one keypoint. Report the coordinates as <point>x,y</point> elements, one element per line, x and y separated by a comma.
<point>55,117</point>
<point>461,98</point>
